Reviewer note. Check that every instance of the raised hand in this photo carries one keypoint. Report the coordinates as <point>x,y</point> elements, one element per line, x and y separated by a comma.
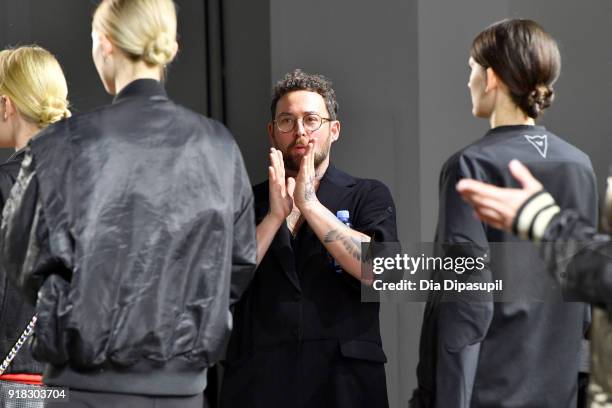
<point>499,206</point>
<point>281,190</point>
<point>305,183</point>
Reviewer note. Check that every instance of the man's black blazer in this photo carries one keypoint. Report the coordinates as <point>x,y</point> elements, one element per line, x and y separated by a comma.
<point>298,308</point>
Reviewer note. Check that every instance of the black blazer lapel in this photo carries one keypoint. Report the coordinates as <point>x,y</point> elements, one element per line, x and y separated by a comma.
<point>282,250</point>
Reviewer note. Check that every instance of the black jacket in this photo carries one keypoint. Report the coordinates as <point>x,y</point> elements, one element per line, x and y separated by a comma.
<point>303,337</point>
<point>580,258</point>
<point>15,312</point>
<point>129,221</point>
<point>521,353</point>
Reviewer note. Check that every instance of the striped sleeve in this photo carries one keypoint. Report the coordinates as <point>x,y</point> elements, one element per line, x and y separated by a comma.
<point>535,215</point>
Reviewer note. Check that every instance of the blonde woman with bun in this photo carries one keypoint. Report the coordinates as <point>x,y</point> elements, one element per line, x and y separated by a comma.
<point>33,95</point>
<point>132,228</point>
<point>133,39</point>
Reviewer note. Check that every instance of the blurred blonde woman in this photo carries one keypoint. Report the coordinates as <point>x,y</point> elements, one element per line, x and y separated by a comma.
<point>33,95</point>
<point>133,227</point>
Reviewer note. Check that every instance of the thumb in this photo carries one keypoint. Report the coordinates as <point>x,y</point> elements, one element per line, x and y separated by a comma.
<point>524,176</point>
<point>290,186</point>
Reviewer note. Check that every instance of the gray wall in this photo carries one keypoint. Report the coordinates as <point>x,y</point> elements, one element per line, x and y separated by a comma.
<point>64,27</point>
<point>248,79</point>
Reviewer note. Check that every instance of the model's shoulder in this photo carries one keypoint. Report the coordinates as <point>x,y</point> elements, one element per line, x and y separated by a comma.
<point>472,161</point>
<point>454,162</point>
<point>206,126</point>
<point>565,148</point>
<point>52,135</point>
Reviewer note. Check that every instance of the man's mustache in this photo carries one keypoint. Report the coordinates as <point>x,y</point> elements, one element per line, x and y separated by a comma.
<point>301,142</point>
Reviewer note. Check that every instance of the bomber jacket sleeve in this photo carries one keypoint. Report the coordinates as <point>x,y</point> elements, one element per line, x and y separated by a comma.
<point>579,257</point>
<point>244,249</point>
<point>25,253</point>
<point>461,324</point>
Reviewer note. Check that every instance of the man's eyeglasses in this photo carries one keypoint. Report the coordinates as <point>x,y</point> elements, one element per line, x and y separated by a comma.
<point>311,122</point>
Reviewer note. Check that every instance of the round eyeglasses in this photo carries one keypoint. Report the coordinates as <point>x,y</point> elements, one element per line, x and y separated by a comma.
<point>311,122</point>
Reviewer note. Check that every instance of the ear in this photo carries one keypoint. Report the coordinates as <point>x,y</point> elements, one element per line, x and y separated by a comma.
<point>271,134</point>
<point>105,43</point>
<point>334,128</point>
<point>492,80</point>
<point>175,49</point>
<point>9,108</point>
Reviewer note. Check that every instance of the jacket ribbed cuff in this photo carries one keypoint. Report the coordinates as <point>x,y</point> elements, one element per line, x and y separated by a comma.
<point>534,216</point>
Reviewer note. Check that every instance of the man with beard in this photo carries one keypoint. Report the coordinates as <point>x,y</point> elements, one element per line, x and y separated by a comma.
<point>302,337</point>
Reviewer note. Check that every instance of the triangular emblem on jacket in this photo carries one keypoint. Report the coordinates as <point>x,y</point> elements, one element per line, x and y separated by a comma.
<point>540,142</point>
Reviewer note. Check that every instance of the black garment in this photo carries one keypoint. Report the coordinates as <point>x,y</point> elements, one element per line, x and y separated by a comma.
<point>15,312</point>
<point>581,260</point>
<point>128,220</point>
<point>510,354</point>
<point>302,336</point>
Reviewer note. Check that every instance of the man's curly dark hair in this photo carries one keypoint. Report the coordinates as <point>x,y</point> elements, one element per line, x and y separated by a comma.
<point>299,80</point>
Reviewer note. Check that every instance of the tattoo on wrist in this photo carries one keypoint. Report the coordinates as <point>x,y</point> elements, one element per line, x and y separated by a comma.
<point>351,244</point>
<point>309,190</point>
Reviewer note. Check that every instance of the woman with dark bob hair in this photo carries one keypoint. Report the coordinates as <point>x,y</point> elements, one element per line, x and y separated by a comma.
<point>476,351</point>
<point>131,228</point>
<point>577,255</point>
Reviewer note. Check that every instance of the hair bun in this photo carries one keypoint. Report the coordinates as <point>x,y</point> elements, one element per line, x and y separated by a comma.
<point>538,100</point>
<point>53,110</point>
<point>160,50</point>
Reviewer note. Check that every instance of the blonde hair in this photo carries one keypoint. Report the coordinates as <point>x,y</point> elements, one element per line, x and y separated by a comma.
<point>34,81</point>
<point>143,29</point>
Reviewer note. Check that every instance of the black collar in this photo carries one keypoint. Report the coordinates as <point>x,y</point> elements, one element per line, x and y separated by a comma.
<point>515,128</point>
<point>142,88</point>
<point>18,155</point>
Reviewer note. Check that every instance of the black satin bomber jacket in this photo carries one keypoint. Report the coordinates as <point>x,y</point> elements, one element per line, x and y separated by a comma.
<point>132,229</point>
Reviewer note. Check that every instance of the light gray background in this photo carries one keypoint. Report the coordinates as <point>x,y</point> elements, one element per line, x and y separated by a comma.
<point>400,72</point>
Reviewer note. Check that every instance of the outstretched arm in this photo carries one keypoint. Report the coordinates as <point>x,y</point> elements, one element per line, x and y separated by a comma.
<point>578,256</point>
